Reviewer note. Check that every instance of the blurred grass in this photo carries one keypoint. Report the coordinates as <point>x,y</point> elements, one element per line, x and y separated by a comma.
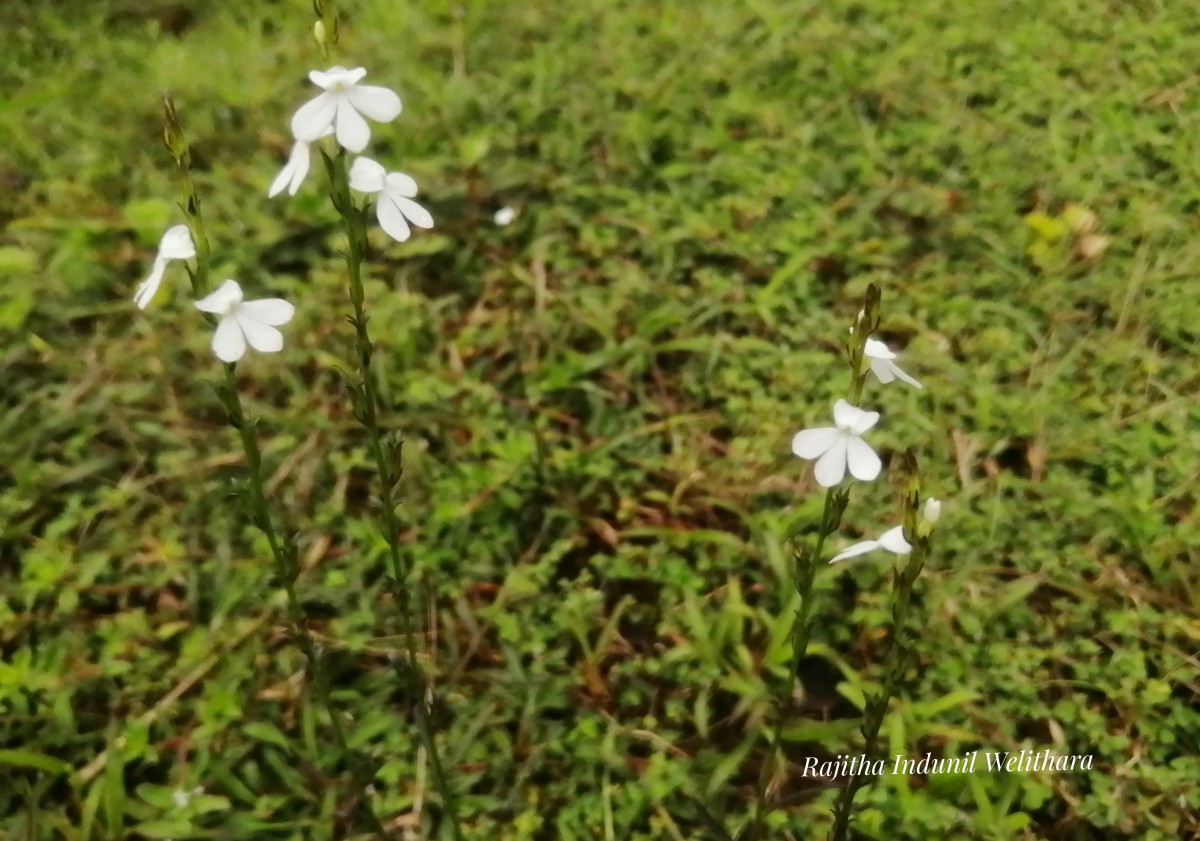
<point>596,402</point>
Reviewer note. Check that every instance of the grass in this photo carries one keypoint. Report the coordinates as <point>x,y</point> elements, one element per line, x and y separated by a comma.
<point>596,403</point>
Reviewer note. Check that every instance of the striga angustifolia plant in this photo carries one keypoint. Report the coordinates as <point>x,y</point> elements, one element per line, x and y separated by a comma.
<point>836,451</point>
<point>239,323</point>
<point>339,112</point>
<point>335,120</point>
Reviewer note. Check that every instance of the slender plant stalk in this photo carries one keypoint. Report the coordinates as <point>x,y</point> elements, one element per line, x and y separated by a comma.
<point>385,449</point>
<point>896,656</point>
<point>804,572</point>
<point>283,546</point>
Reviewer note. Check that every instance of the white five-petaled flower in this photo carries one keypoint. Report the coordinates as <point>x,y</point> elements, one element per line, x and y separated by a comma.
<point>395,203</point>
<point>241,321</point>
<point>176,244</point>
<point>880,359</point>
<point>504,216</point>
<point>893,539</point>
<point>293,172</point>
<point>837,447</point>
<point>342,106</point>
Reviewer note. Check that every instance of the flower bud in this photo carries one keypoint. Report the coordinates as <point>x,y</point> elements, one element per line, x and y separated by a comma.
<point>929,516</point>
<point>319,33</point>
<point>912,493</point>
<point>872,310</point>
<point>173,137</point>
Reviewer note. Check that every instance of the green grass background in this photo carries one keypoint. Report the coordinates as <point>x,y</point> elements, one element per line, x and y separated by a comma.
<point>597,403</point>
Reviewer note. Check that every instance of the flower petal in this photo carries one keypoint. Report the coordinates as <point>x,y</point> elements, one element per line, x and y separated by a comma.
<point>313,117</point>
<point>859,421</point>
<point>854,551</point>
<point>876,349</point>
<point>149,286</point>
<point>262,337</point>
<point>831,467</point>
<point>367,176</point>
<point>337,75</point>
<point>176,244</point>
<point>228,343</point>
<point>399,184</point>
<point>281,180</point>
<point>293,172</point>
<point>853,419</point>
<point>379,104</point>
<point>226,296</point>
<point>352,130</point>
<point>893,540</point>
<point>882,369</point>
<point>845,414</point>
<point>864,464</point>
<point>814,443</point>
<point>274,311</point>
<point>894,369</point>
<point>865,422</point>
<point>391,219</point>
<point>416,214</point>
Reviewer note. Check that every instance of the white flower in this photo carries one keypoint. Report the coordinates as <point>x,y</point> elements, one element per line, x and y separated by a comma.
<point>342,105</point>
<point>241,322</point>
<point>293,172</point>
<point>504,216</point>
<point>176,244</point>
<point>879,358</point>
<point>840,446</point>
<point>893,539</point>
<point>395,204</point>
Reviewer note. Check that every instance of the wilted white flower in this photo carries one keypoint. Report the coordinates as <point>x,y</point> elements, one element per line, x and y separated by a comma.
<point>394,205</point>
<point>342,106</point>
<point>176,244</point>
<point>880,359</point>
<point>837,447</point>
<point>504,216</point>
<point>893,539</point>
<point>293,172</point>
<point>241,321</point>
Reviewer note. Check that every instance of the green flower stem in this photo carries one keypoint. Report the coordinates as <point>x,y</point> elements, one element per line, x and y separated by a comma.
<point>176,143</point>
<point>807,562</point>
<point>386,453</point>
<point>287,570</point>
<point>895,661</point>
<point>804,576</point>
<point>283,550</point>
